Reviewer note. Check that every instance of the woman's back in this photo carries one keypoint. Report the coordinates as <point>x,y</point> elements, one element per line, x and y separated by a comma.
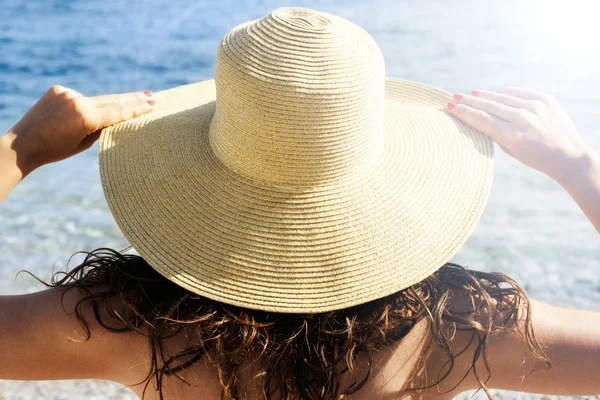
<point>391,374</point>
<point>569,337</point>
<point>395,369</point>
<point>408,336</point>
<point>121,321</point>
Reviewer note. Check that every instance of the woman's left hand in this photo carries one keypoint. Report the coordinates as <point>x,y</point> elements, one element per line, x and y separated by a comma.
<point>64,122</point>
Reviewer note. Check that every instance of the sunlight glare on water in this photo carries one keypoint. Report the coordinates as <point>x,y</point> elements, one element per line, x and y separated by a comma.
<point>565,34</point>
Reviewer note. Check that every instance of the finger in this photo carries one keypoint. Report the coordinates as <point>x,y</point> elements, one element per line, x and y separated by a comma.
<point>499,130</point>
<point>506,150</point>
<point>122,108</point>
<point>105,100</point>
<point>494,108</point>
<point>528,94</point>
<point>503,98</point>
<point>88,141</point>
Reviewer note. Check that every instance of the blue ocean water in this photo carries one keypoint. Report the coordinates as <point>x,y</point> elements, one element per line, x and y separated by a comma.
<point>530,229</point>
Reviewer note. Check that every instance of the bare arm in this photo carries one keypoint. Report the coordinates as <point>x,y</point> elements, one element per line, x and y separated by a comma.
<point>10,173</point>
<point>38,340</point>
<point>533,128</point>
<point>583,184</point>
<point>571,341</point>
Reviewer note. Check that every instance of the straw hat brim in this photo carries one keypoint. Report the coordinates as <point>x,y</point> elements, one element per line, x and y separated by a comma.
<point>296,250</point>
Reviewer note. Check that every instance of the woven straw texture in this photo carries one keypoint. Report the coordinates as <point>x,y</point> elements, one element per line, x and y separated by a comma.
<point>301,179</point>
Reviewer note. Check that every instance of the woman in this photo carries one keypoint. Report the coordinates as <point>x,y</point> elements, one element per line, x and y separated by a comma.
<point>171,325</point>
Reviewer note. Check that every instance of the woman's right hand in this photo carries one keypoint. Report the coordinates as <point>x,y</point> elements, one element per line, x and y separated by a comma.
<point>64,122</point>
<point>528,125</point>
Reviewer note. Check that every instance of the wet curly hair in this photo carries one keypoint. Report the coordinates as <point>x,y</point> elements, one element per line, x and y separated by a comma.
<point>300,355</point>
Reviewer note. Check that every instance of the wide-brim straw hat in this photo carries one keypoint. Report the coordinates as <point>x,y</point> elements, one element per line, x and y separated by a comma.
<point>300,180</point>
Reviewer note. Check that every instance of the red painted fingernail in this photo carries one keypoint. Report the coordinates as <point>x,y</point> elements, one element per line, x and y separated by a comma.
<point>148,93</point>
<point>458,96</point>
<point>475,93</point>
<point>151,102</point>
<point>451,105</point>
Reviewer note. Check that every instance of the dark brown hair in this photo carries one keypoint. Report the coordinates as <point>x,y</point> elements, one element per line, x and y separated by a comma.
<point>301,355</point>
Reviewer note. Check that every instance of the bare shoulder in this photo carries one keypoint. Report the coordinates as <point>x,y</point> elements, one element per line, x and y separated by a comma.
<point>43,339</point>
<point>458,357</point>
<point>568,337</point>
<point>571,340</point>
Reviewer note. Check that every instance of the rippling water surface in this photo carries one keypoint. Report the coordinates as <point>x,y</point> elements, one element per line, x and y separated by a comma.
<point>530,229</point>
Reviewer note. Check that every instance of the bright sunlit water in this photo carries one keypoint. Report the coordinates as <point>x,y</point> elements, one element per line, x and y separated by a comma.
<point>530,229</point>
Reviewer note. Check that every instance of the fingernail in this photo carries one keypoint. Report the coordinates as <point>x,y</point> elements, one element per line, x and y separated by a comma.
<point>451,106</point>
<point>458,96</point>
<point>151,102</point>
<point>148,93</point>
<point>475,93</point>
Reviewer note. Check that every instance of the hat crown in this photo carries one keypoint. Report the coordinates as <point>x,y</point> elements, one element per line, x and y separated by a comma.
<point>300,99</point>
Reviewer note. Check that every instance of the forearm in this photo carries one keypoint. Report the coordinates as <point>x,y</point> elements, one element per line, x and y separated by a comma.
<point>10,174</point>
<point>583,184</point>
